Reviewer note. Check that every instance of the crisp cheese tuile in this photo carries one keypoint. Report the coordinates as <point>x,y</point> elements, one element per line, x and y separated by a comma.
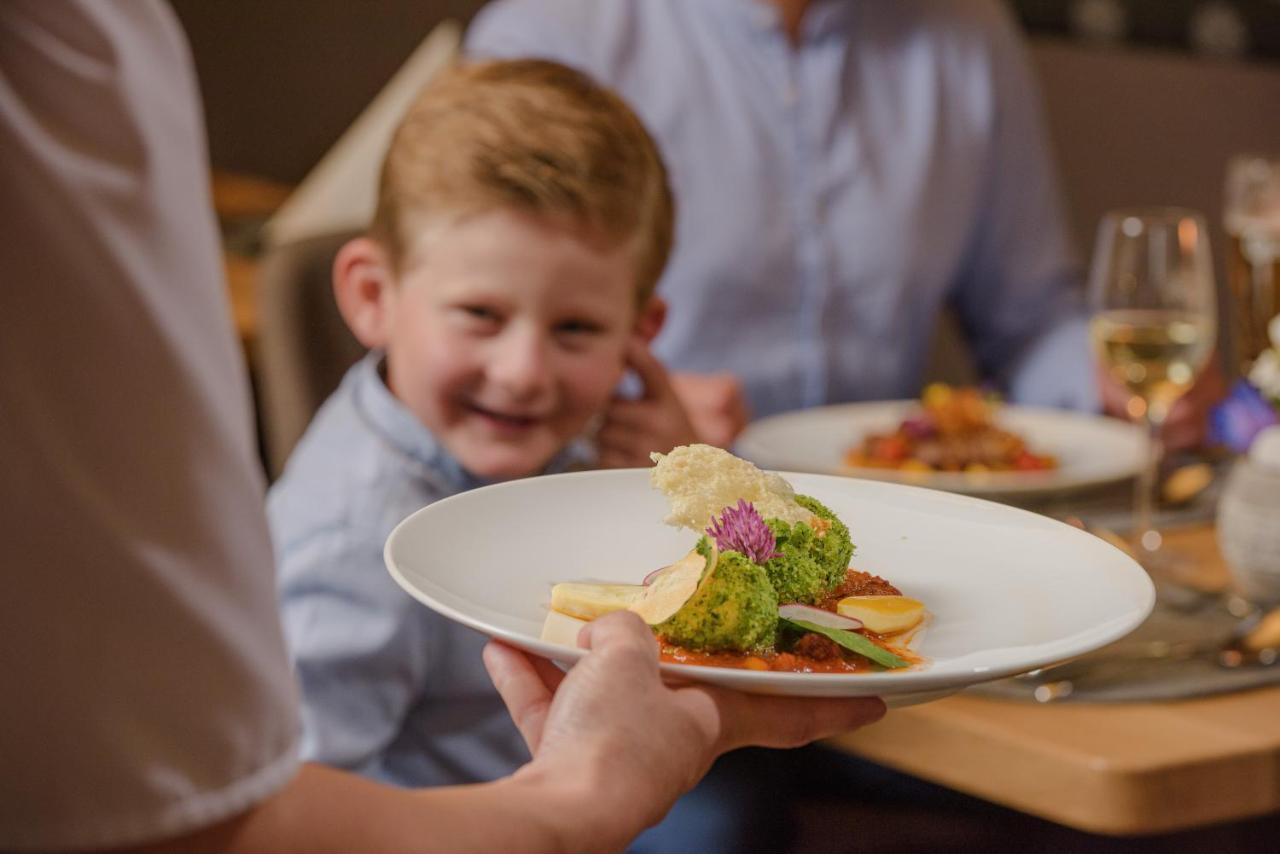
<point>700,481</point>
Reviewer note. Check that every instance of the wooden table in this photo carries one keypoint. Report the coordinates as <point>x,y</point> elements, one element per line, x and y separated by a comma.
<point>1118,768</point>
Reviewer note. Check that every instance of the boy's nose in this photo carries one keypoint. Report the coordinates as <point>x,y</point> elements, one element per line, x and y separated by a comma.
<point>520,364</point>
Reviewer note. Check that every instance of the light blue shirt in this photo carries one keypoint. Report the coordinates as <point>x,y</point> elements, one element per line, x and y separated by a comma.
<point>836,194</point>
<point>390,689</point>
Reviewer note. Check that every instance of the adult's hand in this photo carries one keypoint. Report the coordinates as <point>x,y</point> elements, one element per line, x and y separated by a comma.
<point>635,743</point>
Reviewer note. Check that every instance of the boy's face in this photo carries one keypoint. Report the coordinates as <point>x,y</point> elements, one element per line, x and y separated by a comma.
<point>505,334</point>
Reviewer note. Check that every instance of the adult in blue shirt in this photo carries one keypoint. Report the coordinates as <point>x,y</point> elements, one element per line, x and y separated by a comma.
<point>844,170</point>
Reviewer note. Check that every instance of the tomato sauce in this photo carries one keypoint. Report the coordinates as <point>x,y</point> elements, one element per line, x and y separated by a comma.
<point>858,584</point>
<point>775,661</point>
<point>784,662</point>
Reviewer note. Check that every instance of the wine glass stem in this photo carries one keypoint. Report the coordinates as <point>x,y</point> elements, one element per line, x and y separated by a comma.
<point>1145,538</point>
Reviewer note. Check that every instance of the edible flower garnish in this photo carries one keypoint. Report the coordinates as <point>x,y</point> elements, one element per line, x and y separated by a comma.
<point>740,529</point>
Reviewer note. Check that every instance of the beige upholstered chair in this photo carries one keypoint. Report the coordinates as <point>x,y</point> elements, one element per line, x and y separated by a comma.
<point>304,347</point>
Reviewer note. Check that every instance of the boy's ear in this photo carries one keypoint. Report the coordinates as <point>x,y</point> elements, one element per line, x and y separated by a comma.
<point>363,286</point>
<point>651,317</point>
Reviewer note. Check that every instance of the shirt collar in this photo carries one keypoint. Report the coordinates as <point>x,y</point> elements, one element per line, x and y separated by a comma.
<point>823,17</point>
<point>398,426</point>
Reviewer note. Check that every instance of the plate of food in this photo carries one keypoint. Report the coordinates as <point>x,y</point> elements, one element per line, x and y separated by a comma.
<point>958,439</point>
<point>781,583</point>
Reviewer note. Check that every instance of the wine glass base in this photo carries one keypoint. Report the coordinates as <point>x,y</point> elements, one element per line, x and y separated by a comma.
<point>1175,574</point>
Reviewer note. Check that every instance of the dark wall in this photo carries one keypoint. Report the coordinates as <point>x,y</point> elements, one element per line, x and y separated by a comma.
<point>281,79</point>
<point>1235,30</point>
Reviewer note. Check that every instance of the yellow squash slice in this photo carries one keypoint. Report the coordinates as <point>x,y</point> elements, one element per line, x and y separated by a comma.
<point>884,615</point>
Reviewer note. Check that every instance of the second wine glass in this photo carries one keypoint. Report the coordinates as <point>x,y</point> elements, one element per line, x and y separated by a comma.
<point>1154,304</point>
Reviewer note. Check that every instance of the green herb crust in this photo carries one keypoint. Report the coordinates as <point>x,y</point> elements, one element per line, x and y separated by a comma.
<point>734,608</point>
<point>809,565</point>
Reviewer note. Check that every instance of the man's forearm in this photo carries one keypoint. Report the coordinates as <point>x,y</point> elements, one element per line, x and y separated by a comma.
<point>324,810</point>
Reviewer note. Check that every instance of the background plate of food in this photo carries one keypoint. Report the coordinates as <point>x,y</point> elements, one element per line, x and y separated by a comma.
<point>1002,590</point>
<point>952,439</point>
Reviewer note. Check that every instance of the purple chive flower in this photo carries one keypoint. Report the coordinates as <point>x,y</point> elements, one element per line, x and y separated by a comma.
<point>1243,414</point>
<point>741,529</point>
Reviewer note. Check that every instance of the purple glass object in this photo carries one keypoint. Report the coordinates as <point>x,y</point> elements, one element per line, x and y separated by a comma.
<point>1241,415</point>
<point>741,529</point>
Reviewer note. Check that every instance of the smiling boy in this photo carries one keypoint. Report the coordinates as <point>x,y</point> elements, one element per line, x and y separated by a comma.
<point>505,285</point>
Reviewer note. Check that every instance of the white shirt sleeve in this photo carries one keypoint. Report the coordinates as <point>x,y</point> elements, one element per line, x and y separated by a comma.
<point>146,688</point>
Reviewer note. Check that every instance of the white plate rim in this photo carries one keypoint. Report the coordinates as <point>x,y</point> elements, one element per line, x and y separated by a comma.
<point>753,445</point>
<point>926,682</point>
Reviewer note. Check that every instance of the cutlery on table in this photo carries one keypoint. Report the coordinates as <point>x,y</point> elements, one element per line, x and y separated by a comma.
<point>1255,643</point>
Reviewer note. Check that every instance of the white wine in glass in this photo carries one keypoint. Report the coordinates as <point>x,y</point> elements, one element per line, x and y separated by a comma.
<point>1155,353</point>
<point>1151,289</point>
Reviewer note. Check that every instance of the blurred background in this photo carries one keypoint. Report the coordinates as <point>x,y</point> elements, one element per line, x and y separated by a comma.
<point>1146,99</point>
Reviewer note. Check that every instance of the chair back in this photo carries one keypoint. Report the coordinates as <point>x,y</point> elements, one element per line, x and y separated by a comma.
<point>304,347</point>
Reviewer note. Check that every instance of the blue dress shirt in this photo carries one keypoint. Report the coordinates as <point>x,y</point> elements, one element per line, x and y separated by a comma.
<point>390,689</point>
<point>835,194</point>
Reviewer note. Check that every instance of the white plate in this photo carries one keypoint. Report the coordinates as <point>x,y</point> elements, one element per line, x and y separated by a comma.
<point>1091,449</point>
<point>1009,590</point>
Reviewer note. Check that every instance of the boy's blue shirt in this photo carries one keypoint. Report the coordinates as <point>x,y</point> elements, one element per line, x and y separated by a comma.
<point>390,689</point>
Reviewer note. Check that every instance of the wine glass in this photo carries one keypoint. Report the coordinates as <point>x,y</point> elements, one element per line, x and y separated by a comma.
<point>1151,290</point>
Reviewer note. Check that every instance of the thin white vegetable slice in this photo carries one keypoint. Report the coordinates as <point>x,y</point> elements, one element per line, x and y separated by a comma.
<point>818,617</point>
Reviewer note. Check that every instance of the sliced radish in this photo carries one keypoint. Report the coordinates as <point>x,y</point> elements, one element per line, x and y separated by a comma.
<point>818,617</point>
<point>649,579</point>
